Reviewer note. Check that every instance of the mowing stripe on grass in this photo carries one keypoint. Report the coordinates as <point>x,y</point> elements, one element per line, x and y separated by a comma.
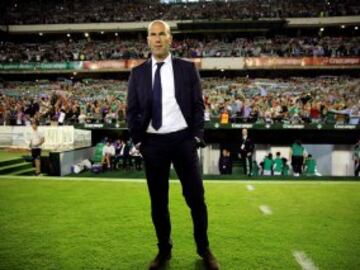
<point>304,261</point>
<point>266,210</point>
<point>250,187</point>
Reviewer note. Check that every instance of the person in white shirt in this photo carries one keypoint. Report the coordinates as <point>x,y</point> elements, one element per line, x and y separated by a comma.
<point>36,140</point>
<point>136,157</point>
<point>108,154</point>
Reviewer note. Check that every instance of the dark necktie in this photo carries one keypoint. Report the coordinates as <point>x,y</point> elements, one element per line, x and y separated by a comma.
<point>157,99</point>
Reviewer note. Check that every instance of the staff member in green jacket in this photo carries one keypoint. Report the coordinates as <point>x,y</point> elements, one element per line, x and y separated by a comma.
<point>297,157</point>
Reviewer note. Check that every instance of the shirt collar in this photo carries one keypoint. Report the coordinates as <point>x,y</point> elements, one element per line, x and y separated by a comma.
<point>166,60</point>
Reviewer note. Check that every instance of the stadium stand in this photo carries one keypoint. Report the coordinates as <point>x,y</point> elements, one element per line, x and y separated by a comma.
<point>116,48</point>
<point>67,11</point>
<point>294,100</point>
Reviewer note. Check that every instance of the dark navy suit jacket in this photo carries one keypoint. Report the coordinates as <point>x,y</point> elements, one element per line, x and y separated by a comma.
<point>188,95</point>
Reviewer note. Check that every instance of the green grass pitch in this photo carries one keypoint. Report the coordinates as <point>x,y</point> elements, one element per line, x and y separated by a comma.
<point>47,224</point>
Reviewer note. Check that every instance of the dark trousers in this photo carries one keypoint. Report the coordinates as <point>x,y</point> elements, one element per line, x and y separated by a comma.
<point>357,168</point>
<point>297,163</point>
<point>179,148</point>
<point>245,160</point>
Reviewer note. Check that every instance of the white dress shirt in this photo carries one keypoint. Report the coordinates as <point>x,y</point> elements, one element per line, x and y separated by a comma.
<point>35,138</point>
<point>172,117</point>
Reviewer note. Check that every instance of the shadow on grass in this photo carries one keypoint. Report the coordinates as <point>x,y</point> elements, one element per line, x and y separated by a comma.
<point>197,265</point>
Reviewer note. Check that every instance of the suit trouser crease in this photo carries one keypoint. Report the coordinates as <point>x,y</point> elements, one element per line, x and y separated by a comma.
<point>159,152</point>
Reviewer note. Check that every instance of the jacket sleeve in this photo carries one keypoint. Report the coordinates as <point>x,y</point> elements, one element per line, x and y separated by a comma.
<point>198,106</point>
<point>251,146</point>
<point>133,110</point>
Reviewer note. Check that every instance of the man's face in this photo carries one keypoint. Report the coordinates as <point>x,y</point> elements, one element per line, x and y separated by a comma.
<point>159,40</point>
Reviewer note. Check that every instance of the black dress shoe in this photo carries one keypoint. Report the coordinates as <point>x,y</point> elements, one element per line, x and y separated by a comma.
<point>210,260</point>
<point>160,260</point>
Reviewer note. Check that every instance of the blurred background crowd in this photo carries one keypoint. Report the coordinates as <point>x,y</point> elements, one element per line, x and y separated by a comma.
<point>117,48</point>
<point>92,11</point>
<point>294,100</point>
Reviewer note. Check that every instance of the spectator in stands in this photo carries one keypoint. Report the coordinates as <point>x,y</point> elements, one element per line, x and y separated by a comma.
<point>31,109</point>
<point>224,117</point>
<point>245,152</point>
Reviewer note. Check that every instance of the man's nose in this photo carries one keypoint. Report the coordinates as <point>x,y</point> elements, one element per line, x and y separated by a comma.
<point>157,39</point>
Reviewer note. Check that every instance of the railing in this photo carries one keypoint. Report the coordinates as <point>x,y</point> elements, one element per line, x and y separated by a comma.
<point>56,137</point>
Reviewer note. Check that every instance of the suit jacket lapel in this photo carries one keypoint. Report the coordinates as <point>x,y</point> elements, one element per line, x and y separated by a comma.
<point>148,82</point>
<point>177,79</point>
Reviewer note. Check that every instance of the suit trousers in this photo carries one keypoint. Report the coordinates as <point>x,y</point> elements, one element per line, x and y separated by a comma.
<point>178,148</point>
<point>246,163</point>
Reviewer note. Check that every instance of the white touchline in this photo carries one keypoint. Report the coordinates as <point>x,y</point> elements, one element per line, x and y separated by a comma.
<point>266,210</point>
<point>305,262</point>
<point>250,187</point>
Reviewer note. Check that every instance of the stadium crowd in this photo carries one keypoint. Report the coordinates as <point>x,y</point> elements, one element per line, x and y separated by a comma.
<point>126,49</point>
<point>62,102</point>
<point>92,11</point>
<point>295,100</point>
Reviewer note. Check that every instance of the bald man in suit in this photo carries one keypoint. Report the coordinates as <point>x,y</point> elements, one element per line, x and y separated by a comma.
<point>165,115</point>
